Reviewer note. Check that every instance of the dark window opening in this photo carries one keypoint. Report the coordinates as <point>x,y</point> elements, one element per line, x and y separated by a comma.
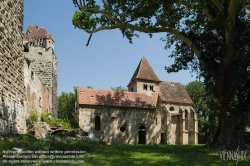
<point>142,135</point>
<point>123,129</point>
<point>97,123</point>
<point>132,89</point>
<point>186,120</point>
<point>32,75</point>
<point>40,53</point>
<point>145,87</point>
<point>151,87</point>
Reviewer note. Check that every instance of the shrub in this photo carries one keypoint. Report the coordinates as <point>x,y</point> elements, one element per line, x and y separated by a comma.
<point>32,118</point>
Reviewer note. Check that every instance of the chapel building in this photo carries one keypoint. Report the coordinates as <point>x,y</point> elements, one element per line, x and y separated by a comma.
<point>150,112</point>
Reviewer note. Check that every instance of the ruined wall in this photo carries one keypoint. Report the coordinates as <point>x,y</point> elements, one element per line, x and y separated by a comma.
<point>44,65</point>
<point>37,95</point>
<point>12,117</point>
<point>112,119</point>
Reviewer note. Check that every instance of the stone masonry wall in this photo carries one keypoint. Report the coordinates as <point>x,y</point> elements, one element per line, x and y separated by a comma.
<point>44,65</point>
<point>11,67</point>
<point>112,119</point>
<point>37,95</point>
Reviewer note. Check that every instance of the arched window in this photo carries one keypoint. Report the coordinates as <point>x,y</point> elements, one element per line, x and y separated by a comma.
<point>186,120</point>
<point>97,123</point>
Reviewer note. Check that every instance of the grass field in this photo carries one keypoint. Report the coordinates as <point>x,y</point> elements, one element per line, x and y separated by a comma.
<point>99,154</point>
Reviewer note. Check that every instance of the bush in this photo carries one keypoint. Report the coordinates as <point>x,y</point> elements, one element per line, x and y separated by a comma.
<point>32,118</point>
<point>45,117</point>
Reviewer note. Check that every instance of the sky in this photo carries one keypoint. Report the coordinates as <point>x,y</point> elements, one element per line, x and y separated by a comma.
<point>109,60</point>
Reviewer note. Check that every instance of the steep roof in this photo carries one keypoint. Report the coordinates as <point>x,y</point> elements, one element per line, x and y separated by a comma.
<point>87,96</point>
<point>174,92</point>
<point>36,32</point>
<point>144,71</point>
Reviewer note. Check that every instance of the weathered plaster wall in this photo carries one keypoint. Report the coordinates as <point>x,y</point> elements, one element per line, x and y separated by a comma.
<point>112,119</point>
<point>138,86</point>
<point>44,65</point>
<point>12,117</point>
<point>37,95</point>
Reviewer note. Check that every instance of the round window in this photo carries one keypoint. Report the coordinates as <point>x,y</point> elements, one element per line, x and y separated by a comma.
<point>122,129</point>
<point>171,108</point>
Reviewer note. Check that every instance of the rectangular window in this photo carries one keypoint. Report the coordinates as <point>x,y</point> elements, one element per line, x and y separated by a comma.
<point>145,87</point>
<point>40,53</point>
<point>151,87</point>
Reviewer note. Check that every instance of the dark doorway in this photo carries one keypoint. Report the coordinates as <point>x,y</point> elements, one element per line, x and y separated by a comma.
<point>97,123</point>
<point>163,138</point>
<point>142,135</point>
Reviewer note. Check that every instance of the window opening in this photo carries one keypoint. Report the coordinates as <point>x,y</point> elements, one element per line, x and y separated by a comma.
<point>97,123</point>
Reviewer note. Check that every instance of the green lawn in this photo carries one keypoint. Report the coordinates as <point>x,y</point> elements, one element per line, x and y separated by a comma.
<point>99,154</point>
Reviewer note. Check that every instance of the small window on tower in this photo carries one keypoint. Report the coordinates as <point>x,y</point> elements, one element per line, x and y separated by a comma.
<point>145,87</point>
<point>132,89</point>
<point>40,53</point>
<point>151,87</point>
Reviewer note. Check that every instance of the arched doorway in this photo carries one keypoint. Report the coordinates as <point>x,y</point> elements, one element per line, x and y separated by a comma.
<point>142,134</point>
<point>97,123</point>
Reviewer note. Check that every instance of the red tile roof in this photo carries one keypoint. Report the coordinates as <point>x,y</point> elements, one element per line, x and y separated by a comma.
<point>144,71</point>
<point>36,32</point>
<point>87,96</point>
<point>174,92</point>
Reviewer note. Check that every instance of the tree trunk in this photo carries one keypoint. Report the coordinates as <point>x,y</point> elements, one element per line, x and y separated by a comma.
<point>232,129</point>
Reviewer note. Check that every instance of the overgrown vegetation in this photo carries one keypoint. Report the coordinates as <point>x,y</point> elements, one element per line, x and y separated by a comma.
<point>46,117</point>
<point>32,118</point>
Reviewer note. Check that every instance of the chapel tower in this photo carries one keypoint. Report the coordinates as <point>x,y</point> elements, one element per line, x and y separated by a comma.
<point>144,79</point>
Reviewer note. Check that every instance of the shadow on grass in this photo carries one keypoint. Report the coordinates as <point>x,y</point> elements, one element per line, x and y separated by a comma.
<point>99,154</point>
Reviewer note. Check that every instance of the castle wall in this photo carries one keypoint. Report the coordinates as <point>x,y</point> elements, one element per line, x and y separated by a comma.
<point>112,119</point>
<point>37,95</point>
<point>12,117</point>
<point>44,65</point>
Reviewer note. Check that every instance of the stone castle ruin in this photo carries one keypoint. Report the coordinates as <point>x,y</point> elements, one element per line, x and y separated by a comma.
<point>28,69</point>
<point>42,62</point>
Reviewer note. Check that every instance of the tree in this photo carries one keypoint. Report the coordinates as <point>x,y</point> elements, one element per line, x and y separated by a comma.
<point>207,108</point>
<point>89,87</point>
<point>210,37</point>
<point>66,106</point>
<point>119,88</point>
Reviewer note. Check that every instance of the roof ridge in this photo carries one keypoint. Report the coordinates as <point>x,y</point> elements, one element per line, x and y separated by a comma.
<point>144,71</point>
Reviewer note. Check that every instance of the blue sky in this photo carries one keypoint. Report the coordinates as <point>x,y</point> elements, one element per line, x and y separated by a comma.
<point>109,60</point>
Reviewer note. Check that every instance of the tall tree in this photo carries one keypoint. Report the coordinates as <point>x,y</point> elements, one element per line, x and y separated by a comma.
<point>210,36</point>
<point>66,106</point>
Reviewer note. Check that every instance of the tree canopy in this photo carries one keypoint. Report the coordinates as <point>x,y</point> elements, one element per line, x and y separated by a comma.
<point>119,88</point>
<point>211,37</point>
<point>66,106</point>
